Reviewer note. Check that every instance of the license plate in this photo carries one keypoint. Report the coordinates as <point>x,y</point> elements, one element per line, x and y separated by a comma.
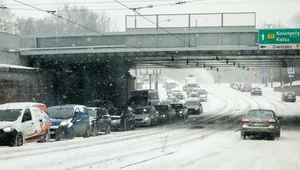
<point>258,124</point>
<point>290,97</point>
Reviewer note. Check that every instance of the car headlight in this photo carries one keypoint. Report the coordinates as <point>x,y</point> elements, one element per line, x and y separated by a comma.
<point>163,115</point>
<point>116,121</point>
<point>180,111</point>
<point>8,129</point>
<point>91,122</point>
<point>147,118</point>
<point>64,123</point>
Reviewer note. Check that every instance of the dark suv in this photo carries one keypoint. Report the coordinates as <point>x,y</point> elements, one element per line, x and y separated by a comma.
<point>122,118</point>
<point>100,120</point>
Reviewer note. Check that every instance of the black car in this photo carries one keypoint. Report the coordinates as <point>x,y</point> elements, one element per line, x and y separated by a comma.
<point>180,110</point>
<point>166,113</point>
<point>256,91</point>
<point>100,120</point>
<point>122,118</point>
<point>288,97</point>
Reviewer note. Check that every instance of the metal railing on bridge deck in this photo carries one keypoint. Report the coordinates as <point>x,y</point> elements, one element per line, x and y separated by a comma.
<point>190,20</point>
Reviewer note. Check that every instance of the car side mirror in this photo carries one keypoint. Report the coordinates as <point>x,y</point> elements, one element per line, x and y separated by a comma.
<point>279,118</point>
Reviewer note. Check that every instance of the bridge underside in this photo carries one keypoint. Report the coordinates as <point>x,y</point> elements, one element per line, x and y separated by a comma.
<point>179,58</point>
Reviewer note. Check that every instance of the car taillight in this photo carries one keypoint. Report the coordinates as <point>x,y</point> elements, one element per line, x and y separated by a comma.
<point>272,121</point>
<point>245,121</point>
<point>285,96</point>
<point>294,97</point>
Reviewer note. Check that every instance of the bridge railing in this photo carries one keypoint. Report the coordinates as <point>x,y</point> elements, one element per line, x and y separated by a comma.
<point>191,20</point>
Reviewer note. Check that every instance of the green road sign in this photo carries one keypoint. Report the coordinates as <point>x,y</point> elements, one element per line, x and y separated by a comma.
<point>279,39</point>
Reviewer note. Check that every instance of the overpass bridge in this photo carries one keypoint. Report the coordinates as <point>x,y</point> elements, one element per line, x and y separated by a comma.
<point>225,46</point>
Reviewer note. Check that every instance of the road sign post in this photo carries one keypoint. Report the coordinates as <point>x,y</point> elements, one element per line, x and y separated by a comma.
<point>279,39</point>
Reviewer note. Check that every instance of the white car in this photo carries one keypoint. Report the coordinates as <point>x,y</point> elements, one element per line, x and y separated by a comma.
<point>24,121</point>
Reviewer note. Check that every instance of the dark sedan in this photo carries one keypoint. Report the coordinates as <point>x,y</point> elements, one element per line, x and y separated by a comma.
<point>256,91</point>
<point>166,113</point>
<point>122,119</point>
<point>288,97</point>
<point>180,110</point>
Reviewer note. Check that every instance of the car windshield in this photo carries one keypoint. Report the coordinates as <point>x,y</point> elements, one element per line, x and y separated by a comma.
<point>60,113</point>
<point>260,113</point>
<point>191,85</point>
<point>10,114</point>
<point>115,112</point>
<point>142,111</point>
<point>191,103</point>
<point>290,94</point>
<point>177,106</point>
<point>194,95</point>
<point>162,108</point>
<point>92,112</point>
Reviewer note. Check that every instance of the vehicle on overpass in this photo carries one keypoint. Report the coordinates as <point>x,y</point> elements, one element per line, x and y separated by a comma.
<point>23,122</point>
<point>256,91</point>
<point>261,122</point>
<point>122,119</point>
<point>143,98</point>
<point>100,120</point>
<point>193,106</point>
<point>288,96</point>
<point>68,121</point>
<point>146,116</point>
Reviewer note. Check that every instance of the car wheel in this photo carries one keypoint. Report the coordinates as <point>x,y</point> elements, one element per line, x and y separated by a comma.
<point>107,131</point>
<point>96,130</point>
<point>87,133</point>
<point>124,128</point>
<point>71,134</point>
<point>57,137</point>
<point>46,137</point>
<point>18,140</point>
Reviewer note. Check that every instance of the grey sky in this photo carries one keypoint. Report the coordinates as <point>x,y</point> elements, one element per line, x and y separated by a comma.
<point>270,11</point>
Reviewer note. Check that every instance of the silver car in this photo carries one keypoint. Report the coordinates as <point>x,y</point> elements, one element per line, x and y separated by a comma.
<point>146,115</point>
<point>262,122</point>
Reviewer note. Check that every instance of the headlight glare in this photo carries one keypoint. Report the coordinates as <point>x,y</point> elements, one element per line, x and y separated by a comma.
<point>8,129</point>
<point>64,123</point>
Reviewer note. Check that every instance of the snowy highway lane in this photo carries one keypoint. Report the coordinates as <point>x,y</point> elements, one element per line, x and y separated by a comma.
<point>209,141</point>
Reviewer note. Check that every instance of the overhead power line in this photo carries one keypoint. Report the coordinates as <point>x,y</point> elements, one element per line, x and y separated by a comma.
<point>70,21</point>
<point>135,11</point>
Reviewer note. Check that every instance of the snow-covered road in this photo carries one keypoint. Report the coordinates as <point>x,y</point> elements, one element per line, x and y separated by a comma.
<point>209,141</point>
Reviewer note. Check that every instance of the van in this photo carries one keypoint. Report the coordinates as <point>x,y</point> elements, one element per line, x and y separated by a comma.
<point>68,121</point>
<point>143,98</point>
<point>23,122</point>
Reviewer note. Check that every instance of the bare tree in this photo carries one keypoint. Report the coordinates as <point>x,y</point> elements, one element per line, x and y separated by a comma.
<point>77,18</point>
<point>278,24</point>
<point>6,19</point>
<point>295,20</point>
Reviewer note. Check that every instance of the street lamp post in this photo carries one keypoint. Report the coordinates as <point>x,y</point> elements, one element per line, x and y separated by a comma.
<point>166,20</point>
<point>136,12</point>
